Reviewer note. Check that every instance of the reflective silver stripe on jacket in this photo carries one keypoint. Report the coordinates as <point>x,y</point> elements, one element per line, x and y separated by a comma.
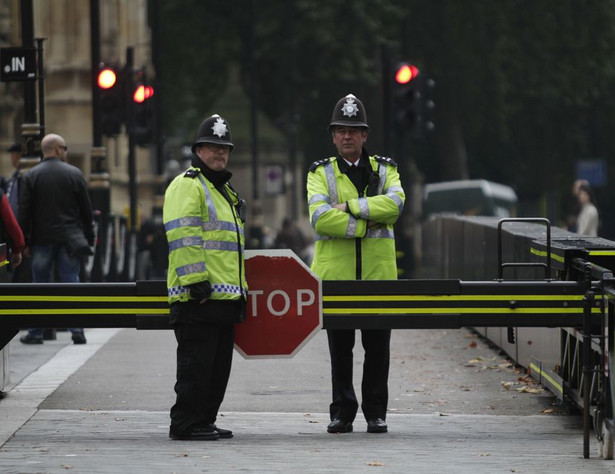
<point>331,184</point>
<point>382,171</point>
<point>319,212</point>
<point>185,242</point>
<point>351,230</point>
<point>183,222</point>
<point>190,268</point>
<point>221,225</point>
<point>213,215</point>
<point>391,192</point>
<point>372,233</point>
<point>220,245</point>
<point>319,197</point>
<point>379,233</point>
<point>395,197</point>
<point>363,208</point>
<point>394,189</point>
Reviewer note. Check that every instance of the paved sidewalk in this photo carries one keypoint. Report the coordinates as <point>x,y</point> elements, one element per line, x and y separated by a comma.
<point>103,408</point>
<point>55,441</point>
<point>34,383</point>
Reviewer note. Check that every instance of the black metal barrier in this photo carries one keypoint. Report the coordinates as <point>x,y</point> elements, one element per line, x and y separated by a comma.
<point>397,304</point>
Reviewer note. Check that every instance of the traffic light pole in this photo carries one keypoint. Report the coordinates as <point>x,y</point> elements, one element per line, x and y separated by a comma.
<point>99,185</point>
<point>132,168</point>
<point>27,41</point>
<point>30,129</point>
<point>95,62</point>
<point>132,145</point>
<point>41,85</point>
<point>253,105</point>
<point>387,109</point>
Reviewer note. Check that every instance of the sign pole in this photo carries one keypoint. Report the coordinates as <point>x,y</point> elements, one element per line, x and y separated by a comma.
<point>41,85</point>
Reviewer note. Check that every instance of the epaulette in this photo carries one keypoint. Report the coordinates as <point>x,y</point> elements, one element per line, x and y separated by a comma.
<point>318,163</point>
<point>192,173</point>
<point>385,159</point>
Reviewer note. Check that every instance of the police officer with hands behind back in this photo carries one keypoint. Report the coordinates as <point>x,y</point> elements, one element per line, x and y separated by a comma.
<point>203,218</point>
<point>354,199</point>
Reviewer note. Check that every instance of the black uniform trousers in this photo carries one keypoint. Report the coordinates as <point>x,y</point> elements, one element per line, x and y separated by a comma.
<point>374,385</point>
<point>204,358</point>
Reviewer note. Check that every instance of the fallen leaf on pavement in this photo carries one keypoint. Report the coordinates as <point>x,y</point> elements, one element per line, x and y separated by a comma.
<point>527,389</point>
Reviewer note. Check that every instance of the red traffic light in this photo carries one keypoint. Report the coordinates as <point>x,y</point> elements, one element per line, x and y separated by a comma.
<point>142,93</point>
<point>107,78</point>
<point>405,73</point>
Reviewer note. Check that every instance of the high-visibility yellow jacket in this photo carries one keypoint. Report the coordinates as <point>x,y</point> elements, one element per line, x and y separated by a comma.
<point>358,244</point>
<point>206,238</point>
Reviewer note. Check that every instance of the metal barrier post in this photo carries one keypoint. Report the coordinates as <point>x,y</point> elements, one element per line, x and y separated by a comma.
<point>588,301</point>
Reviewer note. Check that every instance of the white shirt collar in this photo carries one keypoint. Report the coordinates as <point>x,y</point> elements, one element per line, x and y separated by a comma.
<point>356,163</point>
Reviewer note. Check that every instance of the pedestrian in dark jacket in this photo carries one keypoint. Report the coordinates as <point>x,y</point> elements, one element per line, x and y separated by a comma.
<point>56,217</point>
<point>19,273</point>
<point>290,237</point>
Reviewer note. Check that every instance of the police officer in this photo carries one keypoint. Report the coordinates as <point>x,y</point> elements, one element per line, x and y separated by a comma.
<point>203,219</point>
<point>354,199</point>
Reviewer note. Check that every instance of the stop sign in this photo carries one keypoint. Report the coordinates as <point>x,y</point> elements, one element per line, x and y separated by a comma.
<point>284,308</point>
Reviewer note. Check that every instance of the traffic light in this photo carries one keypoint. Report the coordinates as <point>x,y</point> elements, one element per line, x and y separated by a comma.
<point>406,96</point>
<point>429,104</point>
<point>112,100</point>
<point>144,114</point>
<point>412,102</point>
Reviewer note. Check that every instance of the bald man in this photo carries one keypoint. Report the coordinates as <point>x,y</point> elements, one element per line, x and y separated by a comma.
<point>55,215</point>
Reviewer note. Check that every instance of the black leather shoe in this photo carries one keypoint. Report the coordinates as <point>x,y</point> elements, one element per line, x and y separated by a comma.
<point>339,426</point>
<point>202,433</point>
<point>79,338</point>
<point>222,432</point>
<point>377,425</point>
<point>28,339</point>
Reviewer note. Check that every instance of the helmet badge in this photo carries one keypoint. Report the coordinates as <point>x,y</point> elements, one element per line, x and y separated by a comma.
<point>219,127</point>
<point>349,108</point>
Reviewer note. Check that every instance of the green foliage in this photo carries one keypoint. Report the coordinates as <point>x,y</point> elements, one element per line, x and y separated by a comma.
<point>196,48</point>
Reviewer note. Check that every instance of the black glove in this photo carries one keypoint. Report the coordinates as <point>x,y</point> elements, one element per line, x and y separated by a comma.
<point>199,291</point>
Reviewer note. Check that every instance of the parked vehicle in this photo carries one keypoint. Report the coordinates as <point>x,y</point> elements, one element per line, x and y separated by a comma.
<point>474,197</point>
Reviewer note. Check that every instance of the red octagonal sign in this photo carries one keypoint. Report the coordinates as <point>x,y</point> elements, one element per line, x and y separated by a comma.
<point>284,308</point>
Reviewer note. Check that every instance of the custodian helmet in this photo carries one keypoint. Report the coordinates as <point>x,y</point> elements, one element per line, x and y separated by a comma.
<point>214,129</point>
<point>349,112</point>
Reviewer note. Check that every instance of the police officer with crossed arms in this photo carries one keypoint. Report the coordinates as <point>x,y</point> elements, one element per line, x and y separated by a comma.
<point>354,199</point>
